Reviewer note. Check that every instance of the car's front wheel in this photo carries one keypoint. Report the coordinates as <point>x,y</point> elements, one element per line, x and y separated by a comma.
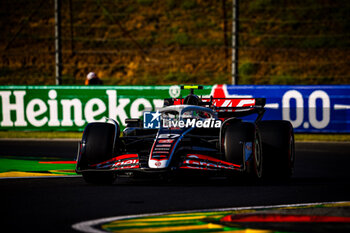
<point>242,146</point>
<point>97,146</point>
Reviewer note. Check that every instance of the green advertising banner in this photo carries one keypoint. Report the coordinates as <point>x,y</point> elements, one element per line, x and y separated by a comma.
<point>70,108</point>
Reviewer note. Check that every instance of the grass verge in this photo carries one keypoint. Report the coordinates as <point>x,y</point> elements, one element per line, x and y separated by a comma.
<point>40,135</point>
<point>322,137</point>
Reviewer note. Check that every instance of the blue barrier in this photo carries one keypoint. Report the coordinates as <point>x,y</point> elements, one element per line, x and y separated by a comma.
<point>311,109</point>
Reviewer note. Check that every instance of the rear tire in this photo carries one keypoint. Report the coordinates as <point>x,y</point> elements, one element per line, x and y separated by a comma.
<point>98,139</point>
<point>278,149</point>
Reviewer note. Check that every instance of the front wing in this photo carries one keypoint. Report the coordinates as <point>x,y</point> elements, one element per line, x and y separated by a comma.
<point>131,162</point>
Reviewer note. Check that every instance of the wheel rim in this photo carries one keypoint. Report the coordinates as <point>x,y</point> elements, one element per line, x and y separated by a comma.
<point>258,158</point>
<point>291,154</point>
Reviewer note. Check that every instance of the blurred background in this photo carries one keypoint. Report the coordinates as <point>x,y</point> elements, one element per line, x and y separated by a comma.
<point>154,42</point>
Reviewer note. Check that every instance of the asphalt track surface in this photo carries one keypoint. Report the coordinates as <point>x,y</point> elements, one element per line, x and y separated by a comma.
<point>55,204</point>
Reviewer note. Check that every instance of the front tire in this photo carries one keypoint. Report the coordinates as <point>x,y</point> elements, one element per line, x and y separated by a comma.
<point>255,166</point>
<point>98,144</point>
<point>236,133</point>
<point>239,135</point>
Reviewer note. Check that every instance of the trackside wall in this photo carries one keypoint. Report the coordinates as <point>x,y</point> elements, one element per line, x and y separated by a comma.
<point>317,109</point>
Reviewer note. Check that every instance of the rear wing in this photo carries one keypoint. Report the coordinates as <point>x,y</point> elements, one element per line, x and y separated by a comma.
<point>227,107</point>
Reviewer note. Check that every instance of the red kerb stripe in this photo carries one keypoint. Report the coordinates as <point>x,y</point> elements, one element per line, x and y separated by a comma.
<point>59,162</point>
<point>283,218</point>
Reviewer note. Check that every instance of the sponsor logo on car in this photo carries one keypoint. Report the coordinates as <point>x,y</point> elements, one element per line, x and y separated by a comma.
<point>158,164</point>
<point>166,140</point>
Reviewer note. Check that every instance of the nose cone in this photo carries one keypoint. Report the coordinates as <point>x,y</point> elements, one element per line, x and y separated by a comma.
<point>162,149</point>
<point>158,164</point>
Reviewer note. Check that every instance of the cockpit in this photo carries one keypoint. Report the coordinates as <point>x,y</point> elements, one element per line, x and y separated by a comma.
<point>181,112</point>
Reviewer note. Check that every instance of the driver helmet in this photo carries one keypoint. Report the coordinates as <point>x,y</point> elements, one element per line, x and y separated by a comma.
<point>192,100</point>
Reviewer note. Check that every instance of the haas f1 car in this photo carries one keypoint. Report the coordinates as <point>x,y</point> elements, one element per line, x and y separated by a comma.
<point>193,136</point>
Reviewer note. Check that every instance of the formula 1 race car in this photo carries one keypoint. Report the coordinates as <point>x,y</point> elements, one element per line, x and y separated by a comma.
<point>190,135</point>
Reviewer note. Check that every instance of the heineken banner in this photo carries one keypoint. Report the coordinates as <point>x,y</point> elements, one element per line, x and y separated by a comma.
<point>70,108</point>
<point>316,109</point>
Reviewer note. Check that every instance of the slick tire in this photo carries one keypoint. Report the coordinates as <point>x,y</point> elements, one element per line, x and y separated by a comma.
<point>278,149</point>
<point>236,134</point>
<point>255,164</point>
<point>99,139</point>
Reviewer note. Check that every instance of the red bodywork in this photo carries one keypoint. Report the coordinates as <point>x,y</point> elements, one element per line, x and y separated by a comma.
<point>192,161</point>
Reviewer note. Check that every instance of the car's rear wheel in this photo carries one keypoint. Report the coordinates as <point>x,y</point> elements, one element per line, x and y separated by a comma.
<point>98,144</point>
<point>278,149</point>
